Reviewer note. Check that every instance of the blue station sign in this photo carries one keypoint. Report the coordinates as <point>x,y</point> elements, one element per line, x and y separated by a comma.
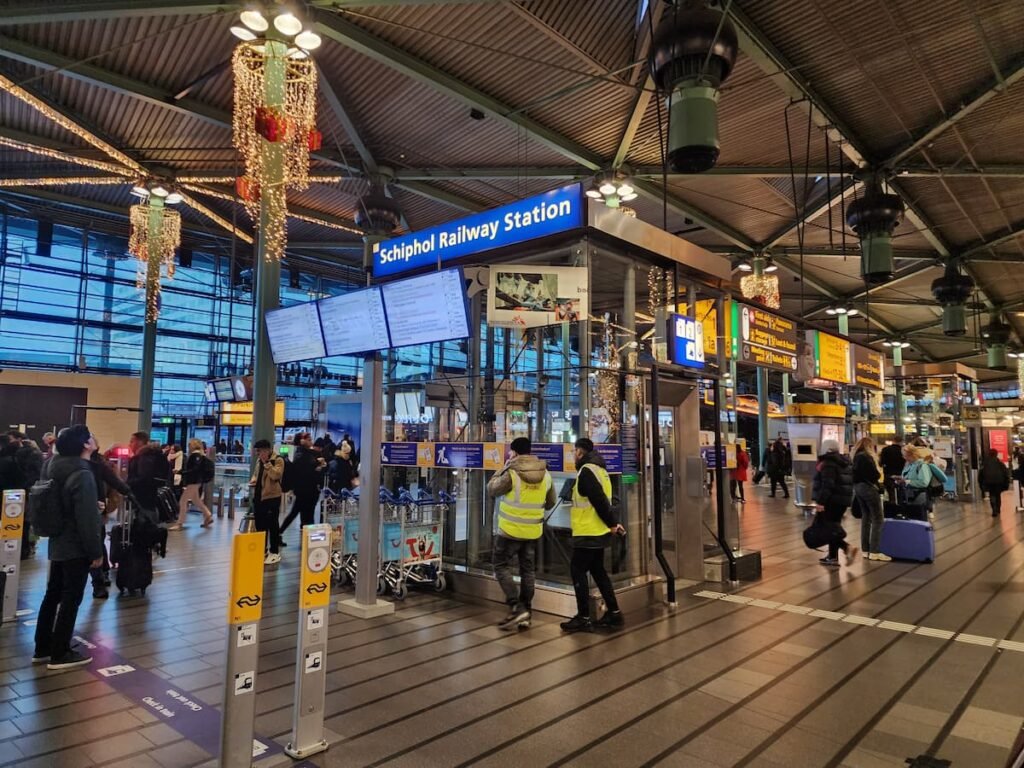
<point>685,341</point>
<point>550,213</point>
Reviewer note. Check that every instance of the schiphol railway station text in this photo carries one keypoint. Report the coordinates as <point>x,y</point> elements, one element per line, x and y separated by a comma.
<point>528,219</point>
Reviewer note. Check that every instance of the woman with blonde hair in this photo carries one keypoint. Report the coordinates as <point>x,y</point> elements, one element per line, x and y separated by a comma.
<point>866,478</point>
<point>191,482</point>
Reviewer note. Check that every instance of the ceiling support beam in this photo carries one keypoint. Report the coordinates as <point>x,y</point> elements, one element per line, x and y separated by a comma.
<point>974,251</point>
<point>846,189</point>
<point>636,117</point>
<point>352,36</point>
<point>441,196</point>
<point>706,220</point>
<point>45,13</point>
<point>369,163</point>
<point>969,104</point>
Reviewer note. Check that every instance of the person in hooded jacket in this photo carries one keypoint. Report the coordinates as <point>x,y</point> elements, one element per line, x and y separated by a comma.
<point>148,469</point>
<point>832,488</point>
<point>527,492</point>
<point>994,477</point>
<point>919,473</point>
<point>594,522</point>
<point>76,549</point>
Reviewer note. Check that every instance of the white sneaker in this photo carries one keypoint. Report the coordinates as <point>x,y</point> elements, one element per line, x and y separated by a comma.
<point>880,557</point>
<point>272,559</point>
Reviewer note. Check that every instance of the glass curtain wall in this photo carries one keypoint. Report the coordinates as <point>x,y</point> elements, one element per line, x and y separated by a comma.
<point>69,302</point>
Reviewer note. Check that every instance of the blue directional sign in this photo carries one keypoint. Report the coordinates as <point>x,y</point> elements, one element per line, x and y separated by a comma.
<point>553,454</point>
<point>459,455</point>
<point>685,341</point>
<point>557,211</point>
<point>398,454</point>
<point>612,455</point>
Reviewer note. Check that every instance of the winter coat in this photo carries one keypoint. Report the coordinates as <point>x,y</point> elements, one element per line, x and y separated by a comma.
<point>343,473</point>
<point>306,472</point>
<point>192,472</point>
<point>833,481</point>
<point>865,470</point>
<point>779,461</point>
<point>742,465</point>
<point>147,470</point>
<point>30,461</point>
<point>82,537</point>
<point>994,476</point>
<point>530,470</point>
<point>891,459</point>
<point>267,478</point>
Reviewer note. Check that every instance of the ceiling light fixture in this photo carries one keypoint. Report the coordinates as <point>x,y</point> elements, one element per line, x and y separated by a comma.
<point>287,24</point>
<point>896,343</point>
<point>254,20</point>
<point>612,187</point>
<point>842,309</point>
<point>308,40</point>
<point>760,286</point>
<point>243,33</point>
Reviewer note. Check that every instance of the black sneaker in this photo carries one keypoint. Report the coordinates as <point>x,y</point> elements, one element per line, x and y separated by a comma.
<point>40,658</point>
<point>512,612</point>
<point>70,660</point>
<point>610,620</point>
<point>831,562</point>
<point>100,593</point>
<point>577,624</point>
<point>282,543</point>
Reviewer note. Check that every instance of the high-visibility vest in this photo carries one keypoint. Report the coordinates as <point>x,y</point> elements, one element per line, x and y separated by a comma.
<point>585,520</point>
<point>521,510</point>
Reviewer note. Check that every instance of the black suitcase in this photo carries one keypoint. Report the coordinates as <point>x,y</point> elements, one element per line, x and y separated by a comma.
<point>134,570</point>
<point>166,505</point>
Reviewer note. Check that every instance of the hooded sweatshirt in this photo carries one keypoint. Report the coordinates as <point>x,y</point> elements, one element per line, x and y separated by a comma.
<point>530,470</point>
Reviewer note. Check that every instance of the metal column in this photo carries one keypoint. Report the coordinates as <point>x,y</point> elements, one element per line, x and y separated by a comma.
<point>267,267</point>
<point>762,415</point>
<point>148,372</point>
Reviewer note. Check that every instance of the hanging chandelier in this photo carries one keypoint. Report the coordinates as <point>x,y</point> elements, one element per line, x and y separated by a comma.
<point>761,286</point>
<point>155,234</point>
<point>612,188</point>
<point>275,110</point>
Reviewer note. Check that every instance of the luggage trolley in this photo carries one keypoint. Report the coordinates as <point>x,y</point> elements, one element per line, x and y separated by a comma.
<point>341,512</point>
<point>411,545</point>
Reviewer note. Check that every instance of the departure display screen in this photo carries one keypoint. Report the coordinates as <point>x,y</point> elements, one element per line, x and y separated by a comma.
<point>295,334</point>
<point>425,309</point>
<point>354,322</point>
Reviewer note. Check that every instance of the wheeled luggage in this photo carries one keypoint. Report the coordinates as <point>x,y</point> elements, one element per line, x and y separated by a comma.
<point>134,570</point>
<point>132,542</point>
<point>908,540</point>
<point>166,505</point>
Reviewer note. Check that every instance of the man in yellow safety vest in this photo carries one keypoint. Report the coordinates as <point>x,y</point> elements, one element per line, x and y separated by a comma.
<point>526,492</point>
<point>594,522</point>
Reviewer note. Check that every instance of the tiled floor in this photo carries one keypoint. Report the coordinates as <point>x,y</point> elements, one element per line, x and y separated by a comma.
<point>714,683</point>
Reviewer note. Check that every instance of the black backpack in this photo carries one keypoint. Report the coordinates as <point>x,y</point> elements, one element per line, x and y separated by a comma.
<point>288,476</point>
<point>46,500</point>
<point>208,470</point>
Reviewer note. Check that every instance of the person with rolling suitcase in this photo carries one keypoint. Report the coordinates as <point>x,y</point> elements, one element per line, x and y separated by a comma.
<point>832,488</point>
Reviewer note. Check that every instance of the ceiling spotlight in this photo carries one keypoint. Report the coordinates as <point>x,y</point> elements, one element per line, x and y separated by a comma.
<point>624,189</point>
<point>254,20</point>
<point>243,33</point>
<point>607,188</point>
<point>288,24</point>
<point>612,187</point>
<point>896,343</point>
<point>140,191</point>
<point>308,40</point>
<point>296,53</point>
<point>159,191</point>
<point>771,266</point>
<point>594,194</point>
<point>174,198</point>
<point>745,266</point>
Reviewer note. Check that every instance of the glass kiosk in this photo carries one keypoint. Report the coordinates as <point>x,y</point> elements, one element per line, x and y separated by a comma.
<point>565,328</point>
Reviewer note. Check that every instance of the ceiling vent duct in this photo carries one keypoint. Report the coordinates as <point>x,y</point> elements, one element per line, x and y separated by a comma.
<point>874,217</point>
<point>695,49</point>
<point>996,335</point>
<point>952,291</point>
<point>376,213</point>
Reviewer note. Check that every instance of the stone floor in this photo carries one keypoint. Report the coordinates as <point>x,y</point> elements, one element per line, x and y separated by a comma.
<point>862,666</point>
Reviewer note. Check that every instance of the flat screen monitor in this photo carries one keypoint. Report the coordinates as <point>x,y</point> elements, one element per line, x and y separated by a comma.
<point>223,390</point>
<point>354,322</point>
<point>295,333</point>
<point>210,392</point>
<point>425,309</point>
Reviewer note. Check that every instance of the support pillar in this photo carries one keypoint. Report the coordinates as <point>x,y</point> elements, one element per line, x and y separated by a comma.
<point>762,415</point>
<point>267,268</point>
<point>148,373</point>
<point>899,407</point>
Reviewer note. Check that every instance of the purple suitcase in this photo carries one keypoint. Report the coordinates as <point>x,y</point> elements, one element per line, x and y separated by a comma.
<point>908,540</point>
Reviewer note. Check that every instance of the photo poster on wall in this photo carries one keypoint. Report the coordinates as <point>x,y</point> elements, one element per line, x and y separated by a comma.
<point>529,296</point>
<point>344,417</point>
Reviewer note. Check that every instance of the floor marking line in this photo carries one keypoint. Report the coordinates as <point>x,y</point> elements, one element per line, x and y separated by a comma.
<point>869,621</point>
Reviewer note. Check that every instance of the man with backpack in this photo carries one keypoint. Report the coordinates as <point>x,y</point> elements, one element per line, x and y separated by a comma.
<point>64,509</point>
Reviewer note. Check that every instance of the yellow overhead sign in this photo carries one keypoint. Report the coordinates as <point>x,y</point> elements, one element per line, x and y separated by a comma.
<point>833,355</point>
<point>245,602</point>
<point>240,414</point>
<point>817,410</point>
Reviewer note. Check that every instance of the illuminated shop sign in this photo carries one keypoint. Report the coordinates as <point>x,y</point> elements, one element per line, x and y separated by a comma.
<point>556,211</point>
<point>762,338</point>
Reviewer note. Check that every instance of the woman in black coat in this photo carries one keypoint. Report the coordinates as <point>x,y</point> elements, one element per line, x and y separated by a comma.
<point>833,490</point>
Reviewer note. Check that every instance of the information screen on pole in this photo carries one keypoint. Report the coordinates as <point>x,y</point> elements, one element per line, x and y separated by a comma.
<point>762,338</point>
<point>295,334</point>
<point>425,309</point>
<point>354,322</point>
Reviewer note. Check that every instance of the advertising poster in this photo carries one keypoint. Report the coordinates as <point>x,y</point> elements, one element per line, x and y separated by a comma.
<point>999,440</point>
<point>344,418</point>
<point>528,296</point>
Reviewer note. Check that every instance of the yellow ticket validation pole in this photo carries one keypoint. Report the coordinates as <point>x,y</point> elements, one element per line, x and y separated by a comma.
<point>245,606</point>
<point>12,523</point>
<point>311,659</point>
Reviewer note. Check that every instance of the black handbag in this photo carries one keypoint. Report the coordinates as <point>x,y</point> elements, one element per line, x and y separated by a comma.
<point>855,508</point>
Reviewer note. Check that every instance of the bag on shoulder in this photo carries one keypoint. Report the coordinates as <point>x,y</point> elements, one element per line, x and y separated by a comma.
<point>46,500</point>
<point>208,470</point>
<point>935,486</point>
<point>288,476</point>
